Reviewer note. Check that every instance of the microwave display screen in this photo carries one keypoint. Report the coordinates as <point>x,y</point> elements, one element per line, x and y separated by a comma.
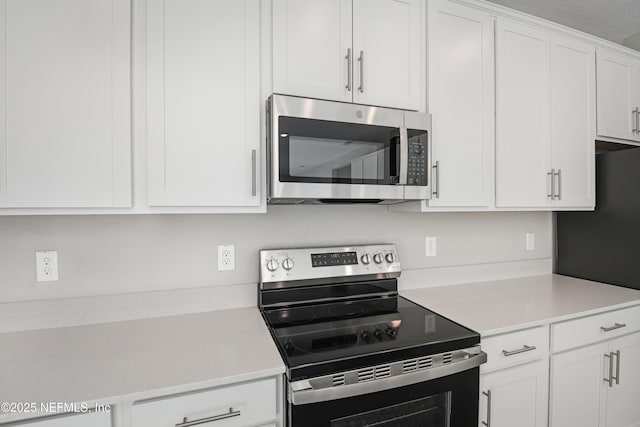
<point>334,258</point>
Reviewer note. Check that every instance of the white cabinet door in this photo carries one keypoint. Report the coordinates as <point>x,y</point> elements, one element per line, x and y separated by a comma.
<point>515,396</point>
<point>312,48</point>
<point>203,102</point>
<point>623,408</point>
<point>92,419</point>
<point>387,47</point>
<point>65,111</point>
<point>618,95</point>
<point>577,390</point>
<point>522,116</point>
<point>461,87</point>
<point>573,122</point>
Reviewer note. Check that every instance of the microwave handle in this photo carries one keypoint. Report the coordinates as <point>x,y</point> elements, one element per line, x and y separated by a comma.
<point>404,156</point>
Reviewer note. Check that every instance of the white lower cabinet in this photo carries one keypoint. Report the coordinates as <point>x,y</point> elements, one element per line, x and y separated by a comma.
<point>515,396</point>
<point>243,405</point>
<point>92,419</point>
<point>596,384</point>
<point>514,383</point>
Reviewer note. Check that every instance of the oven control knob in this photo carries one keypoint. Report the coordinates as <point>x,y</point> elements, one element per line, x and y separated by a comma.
<point>392,332</point>
<point>287,264</point>
<point>377,258</point>
<point>288,347</point>
<point>378,334</point>
<point>366,259</point>
<point>272,264</point>
<point>390,257</point>
<point>365,335</point>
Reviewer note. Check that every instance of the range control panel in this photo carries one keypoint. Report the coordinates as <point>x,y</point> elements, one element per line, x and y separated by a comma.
<point>280,265</point>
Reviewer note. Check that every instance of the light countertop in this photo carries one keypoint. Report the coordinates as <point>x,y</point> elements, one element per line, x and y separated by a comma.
<point>138,359</point>
<point>506,305</point>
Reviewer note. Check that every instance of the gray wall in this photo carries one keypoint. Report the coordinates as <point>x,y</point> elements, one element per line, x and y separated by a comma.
<point>103,255</point>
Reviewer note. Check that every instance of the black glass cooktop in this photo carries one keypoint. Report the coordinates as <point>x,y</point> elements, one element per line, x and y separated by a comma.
<point>325,338</point>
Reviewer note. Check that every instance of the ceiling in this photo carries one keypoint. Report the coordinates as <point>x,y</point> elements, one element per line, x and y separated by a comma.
<point>614,20</point>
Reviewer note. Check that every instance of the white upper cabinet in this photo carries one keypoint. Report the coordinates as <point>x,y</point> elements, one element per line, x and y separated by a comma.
<point>203,102</point>
<point>461,101</point>
<point>65,132</point>
<point>313,48</point>
<point>363,51</point>
<point>573,108</point>
<point>618,96</point>
<point>545,115</point>
<point>523,155</point>
<point>387,48</point>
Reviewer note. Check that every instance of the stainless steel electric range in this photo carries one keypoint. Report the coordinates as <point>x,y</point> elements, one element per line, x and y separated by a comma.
<point>357,353</point>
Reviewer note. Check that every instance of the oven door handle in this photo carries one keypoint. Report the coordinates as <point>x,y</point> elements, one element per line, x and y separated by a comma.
<point>306,396</point>
<point>404,156</point>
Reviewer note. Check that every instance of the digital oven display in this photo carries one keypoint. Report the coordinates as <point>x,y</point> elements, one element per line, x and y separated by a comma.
<point>334,258</point>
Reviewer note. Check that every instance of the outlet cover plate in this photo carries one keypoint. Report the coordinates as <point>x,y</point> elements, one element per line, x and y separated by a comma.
<point>226,257</point>
<point>530,239</point>
<point>431,246</point>
<point>46,266</point>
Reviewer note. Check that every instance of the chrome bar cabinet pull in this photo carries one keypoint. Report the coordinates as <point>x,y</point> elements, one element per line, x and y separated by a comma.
<point>349,71</point>
<point>254,163</point>
<point>224,416</point>
<point>635,119</point>
<point>551,193</point>
<point>488,422</point>
<point>558,188</point>
<point>617,377</point>
<point>436,190</point>
<point>613,328</point>
<point>610,379</point>
<point>361,61</point>
<point>524,349</point>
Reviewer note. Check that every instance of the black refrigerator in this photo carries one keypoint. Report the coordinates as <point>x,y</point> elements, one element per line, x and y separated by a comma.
<point>604,245</point>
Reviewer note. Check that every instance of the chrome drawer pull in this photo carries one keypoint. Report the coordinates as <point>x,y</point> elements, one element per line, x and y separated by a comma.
<point>229,414</point>
<point>524,349</point>
<point>613,328</point>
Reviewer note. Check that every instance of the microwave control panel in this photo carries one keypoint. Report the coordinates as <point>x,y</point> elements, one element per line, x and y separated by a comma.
<point>417,168</point>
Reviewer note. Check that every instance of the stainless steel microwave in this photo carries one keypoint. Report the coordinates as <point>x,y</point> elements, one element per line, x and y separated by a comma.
<point>334,152</point>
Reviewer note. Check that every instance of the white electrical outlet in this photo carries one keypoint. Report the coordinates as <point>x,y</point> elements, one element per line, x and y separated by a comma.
<point>530,241</point>
<point>46,266</point>
<point>226,257</point>
<point>431,246</point>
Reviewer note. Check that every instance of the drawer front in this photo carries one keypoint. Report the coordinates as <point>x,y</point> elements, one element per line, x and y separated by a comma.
<point>232,406</point>
<point>591,329</point>
<point>515,347</point>
<point>93,419</point>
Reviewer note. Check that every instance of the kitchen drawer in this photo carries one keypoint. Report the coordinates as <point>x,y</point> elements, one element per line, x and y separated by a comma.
<point>591,329</point>
<point>234,406</point>
<point>515,347</point>
<point>93,419</point>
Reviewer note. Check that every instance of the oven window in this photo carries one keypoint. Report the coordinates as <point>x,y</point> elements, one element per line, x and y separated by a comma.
<point>319,151</point>
<point>432,411</point>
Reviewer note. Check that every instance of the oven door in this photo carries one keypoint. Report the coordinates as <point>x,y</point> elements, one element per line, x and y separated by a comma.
<point>450,401</point>
<point>433,391</point>
<point>323,151</point>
